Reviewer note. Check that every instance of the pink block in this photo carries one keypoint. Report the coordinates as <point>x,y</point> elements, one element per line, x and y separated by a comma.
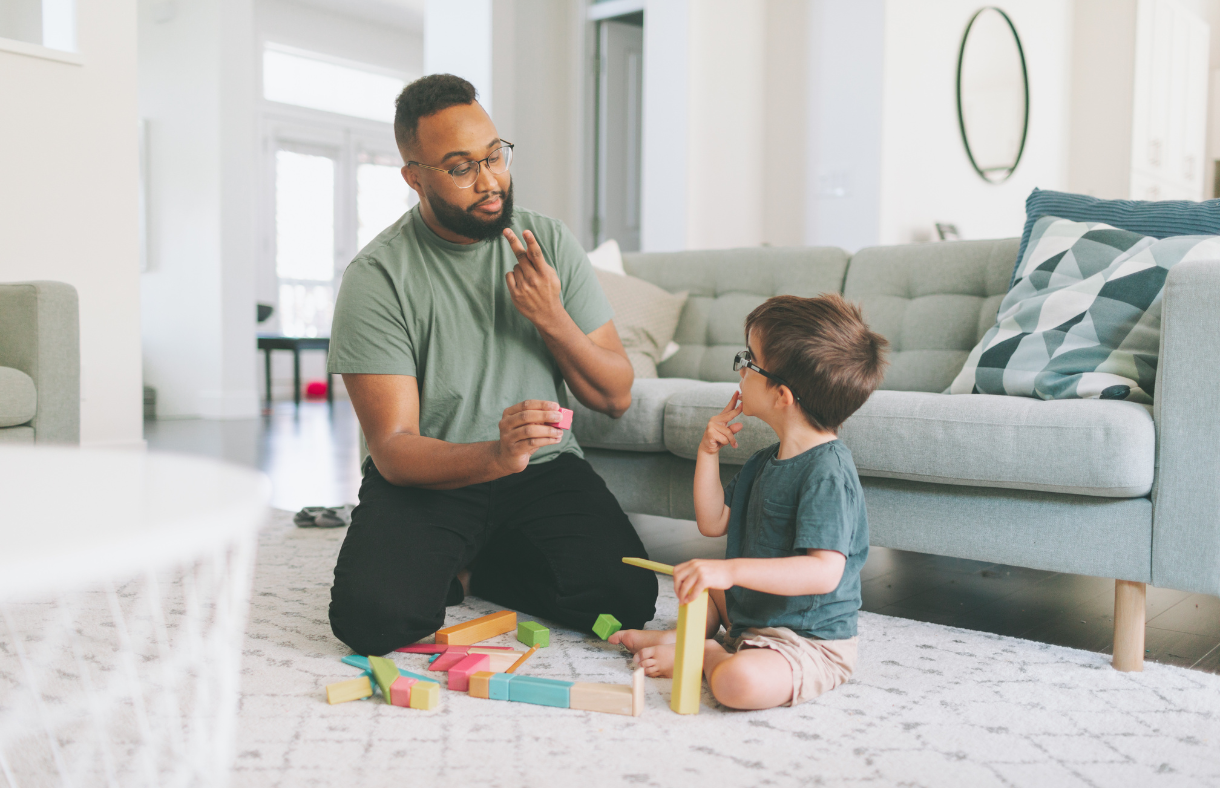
<point>400,691</point>
<point>423,648</point>
<point>565,420</point>
<point>448,659</point>
<point>459,674</point>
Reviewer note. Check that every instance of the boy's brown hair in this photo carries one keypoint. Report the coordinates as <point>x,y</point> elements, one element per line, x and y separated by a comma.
<point>823,350</point>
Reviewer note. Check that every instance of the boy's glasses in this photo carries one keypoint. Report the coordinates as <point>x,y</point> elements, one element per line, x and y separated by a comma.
<point>746,359</point>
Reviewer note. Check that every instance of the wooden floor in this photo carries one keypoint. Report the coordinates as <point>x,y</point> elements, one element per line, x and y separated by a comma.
<point>311,457</point>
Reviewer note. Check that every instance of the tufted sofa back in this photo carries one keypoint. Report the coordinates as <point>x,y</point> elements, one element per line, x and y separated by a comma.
<point>724,286</point>
<point>933,302</point>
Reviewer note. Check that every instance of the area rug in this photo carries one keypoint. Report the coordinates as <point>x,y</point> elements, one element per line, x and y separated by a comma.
<point>929,706</point>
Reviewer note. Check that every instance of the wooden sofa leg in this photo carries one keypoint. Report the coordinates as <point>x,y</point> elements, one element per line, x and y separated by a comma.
<point>1128,625</point>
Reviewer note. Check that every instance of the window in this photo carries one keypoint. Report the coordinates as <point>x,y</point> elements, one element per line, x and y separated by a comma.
<point>381,195</point>
<point>305,80</point>
<point>305,241</point>
<point>50,23</point>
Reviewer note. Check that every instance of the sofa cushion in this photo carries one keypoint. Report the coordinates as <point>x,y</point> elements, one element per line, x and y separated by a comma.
<point>639,429</point>
<point>686,416</point>
<point>1087,447</point>
<point>18,399</point>
<point>932,301</point>
<point>724,286</point>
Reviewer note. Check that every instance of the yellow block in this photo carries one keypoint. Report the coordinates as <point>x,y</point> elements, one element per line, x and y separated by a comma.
<point>353,689</point>
<point>688,656</point>
<point>644,563</point>
<point>426,695</point>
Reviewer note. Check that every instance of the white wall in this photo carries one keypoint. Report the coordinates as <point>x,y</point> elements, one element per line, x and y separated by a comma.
<point>395,47</point>
<point>68,194</point>
<point>786,122</point>
<point>926,176</point>
<point>663,182</point>
<point>458,40</point>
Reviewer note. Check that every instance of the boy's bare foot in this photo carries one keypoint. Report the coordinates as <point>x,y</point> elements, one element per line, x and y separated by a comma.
<point>657,661</point>
<point>635,639</point>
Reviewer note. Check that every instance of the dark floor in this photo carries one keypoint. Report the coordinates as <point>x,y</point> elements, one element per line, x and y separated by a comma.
<point>311,457</point>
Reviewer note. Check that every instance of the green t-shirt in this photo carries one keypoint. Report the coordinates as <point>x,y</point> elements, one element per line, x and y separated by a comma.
<point>412,303</point>
<point>781,508</point>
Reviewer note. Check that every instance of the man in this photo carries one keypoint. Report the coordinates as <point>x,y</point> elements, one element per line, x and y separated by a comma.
<point>455,330</point>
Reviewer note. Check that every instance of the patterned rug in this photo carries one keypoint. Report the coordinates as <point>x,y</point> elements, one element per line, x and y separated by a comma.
<point>929,706</point>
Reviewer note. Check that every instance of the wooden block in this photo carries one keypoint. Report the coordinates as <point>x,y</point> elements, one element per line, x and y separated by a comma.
<point>688,656</point>
<point>357,661</point>
<point>385,673</point>
<point>606,698</point>
<point>459,674</point>
<point>497,686</point>
<point>400,691</point>
<point>531,633</point>
<point>565,420</point>
<point>471,632</point>
<point>425,695</point>
<point>502,661</point>
<point>637,692</point>
<point>539,691</point>
<point>644,563</point>
<point>480,684</point>
<point>521,661</point>
<point>352,689</point>
<point>447,660</point>
<point>606,625</point>
<point>490,650</point>
<point>423,648</point>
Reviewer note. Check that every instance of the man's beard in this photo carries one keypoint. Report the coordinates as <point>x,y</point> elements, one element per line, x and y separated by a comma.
<point>463,222</point>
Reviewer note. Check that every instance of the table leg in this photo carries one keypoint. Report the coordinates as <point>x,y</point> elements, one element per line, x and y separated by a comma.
<point>267,366</point>
<point>296,376</point>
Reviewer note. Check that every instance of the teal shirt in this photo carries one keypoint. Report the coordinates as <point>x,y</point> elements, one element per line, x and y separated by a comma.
<point>782,508</point>
<point>412,303</point>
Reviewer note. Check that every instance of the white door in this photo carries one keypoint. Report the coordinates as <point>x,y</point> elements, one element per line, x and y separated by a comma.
<point>620,133</point>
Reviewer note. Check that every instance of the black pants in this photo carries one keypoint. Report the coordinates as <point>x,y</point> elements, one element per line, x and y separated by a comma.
<point>547,541</point>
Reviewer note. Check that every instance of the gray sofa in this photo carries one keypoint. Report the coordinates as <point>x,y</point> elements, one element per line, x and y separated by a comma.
<point>1104,488</point>
<point>39,363</point>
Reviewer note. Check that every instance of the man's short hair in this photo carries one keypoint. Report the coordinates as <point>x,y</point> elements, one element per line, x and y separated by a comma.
<point>823,350</point>
<point>427,96</point>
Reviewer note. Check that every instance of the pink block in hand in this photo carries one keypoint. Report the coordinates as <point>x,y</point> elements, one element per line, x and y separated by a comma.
<point>459,674</point>
<point>565,420</point>
<point>400,691</point>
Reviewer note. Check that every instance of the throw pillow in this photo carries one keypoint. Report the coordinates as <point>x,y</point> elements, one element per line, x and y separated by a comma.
<point>608,257</point>
<point>1083,319</point>
<point>1159,219</point>
<point>646,317</point>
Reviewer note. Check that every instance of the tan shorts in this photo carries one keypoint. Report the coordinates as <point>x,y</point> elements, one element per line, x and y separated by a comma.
<point>818,666</point>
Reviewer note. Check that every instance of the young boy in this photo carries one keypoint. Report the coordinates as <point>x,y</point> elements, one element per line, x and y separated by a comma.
<point>788,590</point>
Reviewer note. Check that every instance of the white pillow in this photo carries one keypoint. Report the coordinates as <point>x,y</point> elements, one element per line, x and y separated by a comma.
<point>607,257</point>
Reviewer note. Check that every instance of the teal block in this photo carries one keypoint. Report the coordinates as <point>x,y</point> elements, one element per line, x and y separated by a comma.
<point>357,661</point>
<point>543,692</point>
<point>531,633</point>
<point>497,686</point>
<point>606,625</point>
<point>432,658</point>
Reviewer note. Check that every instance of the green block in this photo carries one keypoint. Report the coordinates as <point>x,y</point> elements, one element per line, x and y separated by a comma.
<point>606,625</point>
<point>385,672</point>
<point>531,633</point>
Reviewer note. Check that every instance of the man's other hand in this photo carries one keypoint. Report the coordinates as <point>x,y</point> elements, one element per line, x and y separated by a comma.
<point>524,430</point>
<point>533,284</point>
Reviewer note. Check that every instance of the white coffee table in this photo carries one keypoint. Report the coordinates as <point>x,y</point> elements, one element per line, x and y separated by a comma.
<point>124,584</point>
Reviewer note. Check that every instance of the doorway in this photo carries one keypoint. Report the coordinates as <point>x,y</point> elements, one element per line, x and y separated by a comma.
<point>620,108</point>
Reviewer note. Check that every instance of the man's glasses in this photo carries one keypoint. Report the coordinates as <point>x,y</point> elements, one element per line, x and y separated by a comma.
<point>746,359</point>
<point>465,174</point>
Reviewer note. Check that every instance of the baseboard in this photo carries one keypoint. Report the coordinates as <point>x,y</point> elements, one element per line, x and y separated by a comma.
<point>229,404</point>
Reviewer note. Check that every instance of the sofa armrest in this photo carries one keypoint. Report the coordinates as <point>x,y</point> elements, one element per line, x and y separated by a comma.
<point>1186,409</point>
<point>40,335</point>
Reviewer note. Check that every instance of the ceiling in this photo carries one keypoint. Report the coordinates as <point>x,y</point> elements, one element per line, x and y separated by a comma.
<point>405,14</point>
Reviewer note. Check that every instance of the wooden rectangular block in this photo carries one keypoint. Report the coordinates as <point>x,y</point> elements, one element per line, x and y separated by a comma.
<point>500,663</point>
<point>543,692</point>
<point>357,661</point>
<point>385,673</point>
<point>425,695</point>
<point>521,660</point>
<point>490,650</point>
<point>447,660</point>
<point>352,689</point>
<point>471,632</point>
<point>400,691</point>
<point>688,656</point>
<point>531,633</point>
<point>497,686</point>
<point>637,692</point>
<point>606,698</point>
<point>480,682</point>
<point>423,648</point>
<point>459,674</point>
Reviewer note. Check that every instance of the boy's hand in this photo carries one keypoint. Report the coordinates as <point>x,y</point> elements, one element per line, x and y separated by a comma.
<point>693,577</point>
<point>719,432</point>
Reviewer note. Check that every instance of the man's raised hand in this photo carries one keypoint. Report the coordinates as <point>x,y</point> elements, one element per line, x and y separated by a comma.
<point>719,432</point>
<point>524,430</point>
<point>533,284</point>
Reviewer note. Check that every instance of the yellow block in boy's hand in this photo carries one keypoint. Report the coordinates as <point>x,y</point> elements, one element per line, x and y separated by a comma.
<point>644,563</point>
<point>688,656</point>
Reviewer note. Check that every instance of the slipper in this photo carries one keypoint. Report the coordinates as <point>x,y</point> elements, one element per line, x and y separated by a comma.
<point>323,516</point>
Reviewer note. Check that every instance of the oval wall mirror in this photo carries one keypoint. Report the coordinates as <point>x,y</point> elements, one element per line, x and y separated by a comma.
<point>992,94</point>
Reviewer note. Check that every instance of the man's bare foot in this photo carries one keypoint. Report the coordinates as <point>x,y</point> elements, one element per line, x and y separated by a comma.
<point>464,578</point>
<point>657,661</point>
<point>635,639</point>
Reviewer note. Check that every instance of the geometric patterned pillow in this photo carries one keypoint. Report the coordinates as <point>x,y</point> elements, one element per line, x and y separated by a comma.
<point>1083,317</point>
